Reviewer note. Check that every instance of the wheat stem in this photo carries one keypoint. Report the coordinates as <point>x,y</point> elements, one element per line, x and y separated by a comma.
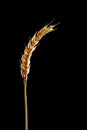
<point>25,105</point>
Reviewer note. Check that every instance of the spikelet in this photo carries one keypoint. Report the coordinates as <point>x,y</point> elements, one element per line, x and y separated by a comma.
<point>32,44</point>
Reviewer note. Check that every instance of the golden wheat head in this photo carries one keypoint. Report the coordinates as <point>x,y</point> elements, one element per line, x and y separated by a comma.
<point>32,44</point>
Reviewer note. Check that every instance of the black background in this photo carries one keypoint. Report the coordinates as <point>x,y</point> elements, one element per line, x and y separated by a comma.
<point>49,73</point>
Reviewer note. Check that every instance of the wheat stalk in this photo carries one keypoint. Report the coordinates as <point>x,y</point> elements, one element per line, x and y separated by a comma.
<point>25,61</point>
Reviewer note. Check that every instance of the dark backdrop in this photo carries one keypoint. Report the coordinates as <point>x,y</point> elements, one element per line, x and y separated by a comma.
<point>48,75</point>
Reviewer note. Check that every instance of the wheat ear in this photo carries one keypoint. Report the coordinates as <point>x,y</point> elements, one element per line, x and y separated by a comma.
<point>25,64</point>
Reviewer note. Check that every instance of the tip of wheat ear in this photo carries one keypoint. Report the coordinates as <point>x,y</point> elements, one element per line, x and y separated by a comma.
<point>31,46</point>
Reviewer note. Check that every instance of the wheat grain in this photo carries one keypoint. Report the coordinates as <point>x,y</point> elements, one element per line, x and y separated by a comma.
<point>25,65</point>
